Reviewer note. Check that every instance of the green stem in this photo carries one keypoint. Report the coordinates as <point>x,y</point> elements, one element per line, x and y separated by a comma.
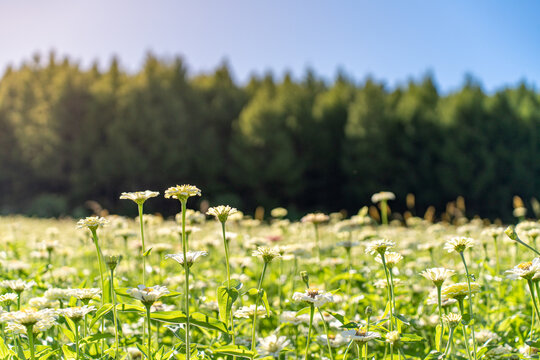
<point>227,255</point>
<point>149,331</point>
<point>77,338</point>
<point>254,326</point>
<point>30,333</point>
<point>384,212</point>
<point>142,240</point>
<point>327,334</point>
<point>312,311</point>
<point>389,290</point>
<point>450,336</point>
<point>471,314</point>
<point>186,270</point>
<point>439,300</point>
<point>100,262</point>
<point>111,285</point>
<point>347,350</point>
<point>496,245</point>
<point>464,327</point>
<point>531,288</point>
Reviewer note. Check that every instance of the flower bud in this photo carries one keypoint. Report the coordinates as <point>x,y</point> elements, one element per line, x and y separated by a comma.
<point>511,232</point>
<point>305,278</point>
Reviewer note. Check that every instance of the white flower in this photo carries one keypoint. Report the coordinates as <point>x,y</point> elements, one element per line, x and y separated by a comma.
<point>86,294</point>
<point>139,197</point>
<point>268,254</point>
<point>248,312</point>
<point>182,192</point>
<point>315,218</point>
<point>191,257</point>
<point>382,196</point>
<point>18,285</point>
<point>77,313</point>
<point>272,345</point>
<point>221,212</point>
<point>314,296</point>
<point>379,246</point>
<point>459,244</point>
<point>360,336</point>
<point>437,275</point>
<point>39,320</point>
<point>526,270</point>
<point>92,222</point>
<point>148,295</point>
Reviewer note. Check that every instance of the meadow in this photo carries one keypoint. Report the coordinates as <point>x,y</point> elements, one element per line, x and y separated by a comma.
<point>224,285</point>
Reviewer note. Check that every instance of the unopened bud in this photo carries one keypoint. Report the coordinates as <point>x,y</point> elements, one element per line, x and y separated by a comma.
<point>305,278</point>
<point>511,232</point>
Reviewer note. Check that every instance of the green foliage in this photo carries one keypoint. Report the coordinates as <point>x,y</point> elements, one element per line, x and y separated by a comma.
<point>68,135</point>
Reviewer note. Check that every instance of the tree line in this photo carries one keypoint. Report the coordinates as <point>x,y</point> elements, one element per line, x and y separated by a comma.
<point>69,134</point>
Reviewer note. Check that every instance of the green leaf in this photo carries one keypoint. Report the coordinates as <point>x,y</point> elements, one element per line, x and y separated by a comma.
<point>342,319</point>
<point>68,353</point>
<point>5,352</point>
<point>147,252</point>
<point>100,313</point>
<point>265,302</point>
<point>438,337</point>
<point>410,338</point>
<point>130,307</point>
<point>197,319</point>
<point>234,284</point>
<point>69,334</point>
<point>433,355</point>
<point>303,311</point>
<point>239,351</point>
<point>96,337</point>
<point>226,297</point>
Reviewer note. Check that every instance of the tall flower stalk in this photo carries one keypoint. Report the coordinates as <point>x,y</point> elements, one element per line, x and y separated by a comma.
<point>139,197</point>
<point>315,298</point>
<point>438,276</point>
<point>92,223</point>
<point>183,193</point>
<point>221,213</point>
<point>148,296</point>
<point>459,245</point>
<point>112,262</point>
<point>268,255</point>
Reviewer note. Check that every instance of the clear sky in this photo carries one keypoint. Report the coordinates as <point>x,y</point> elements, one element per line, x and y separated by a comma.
<point>497,41</point>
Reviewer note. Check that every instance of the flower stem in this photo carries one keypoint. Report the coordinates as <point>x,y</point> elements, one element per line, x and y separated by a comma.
<point>30,333</point>
<point>149,332</point>
<point>311,312</point>
<point>384,212</point>
<point>439,301</point>
<point>471,314</point>
<point>140,206</point>
<point>531,288</point>
<point>327,334</point>
<point>186,270</point>
<point>113,300</point>
<point>254,326</point>
<point>389,287</point>
<point>448,344</point>
<point>464,327</point>
<point>77,338</point>
<point>226,245</point>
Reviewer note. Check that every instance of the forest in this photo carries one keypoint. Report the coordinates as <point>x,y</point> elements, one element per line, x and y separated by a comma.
<point>70,134</point>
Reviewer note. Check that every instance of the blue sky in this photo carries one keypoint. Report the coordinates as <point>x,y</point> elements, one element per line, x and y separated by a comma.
<point>497,41</point>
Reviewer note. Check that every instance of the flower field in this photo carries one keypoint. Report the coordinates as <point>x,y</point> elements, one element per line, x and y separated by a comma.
<point>223,285</point>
